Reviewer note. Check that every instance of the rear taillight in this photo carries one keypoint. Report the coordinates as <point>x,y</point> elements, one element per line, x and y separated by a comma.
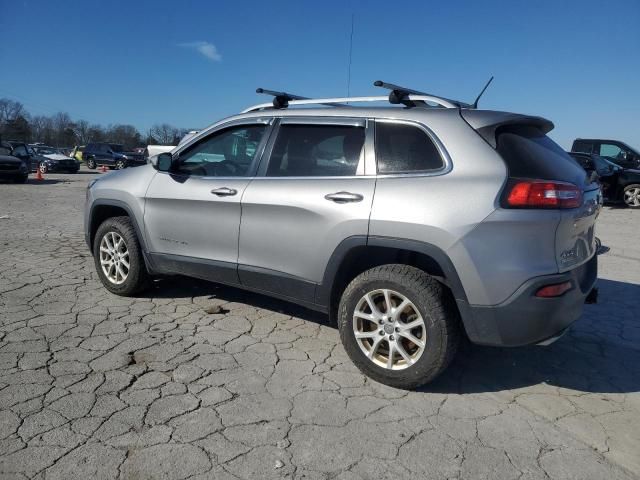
<point>541,194</point>
<point>556,290</point>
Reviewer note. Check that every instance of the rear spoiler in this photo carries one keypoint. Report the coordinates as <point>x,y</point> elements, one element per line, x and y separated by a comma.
<point>487,122</point>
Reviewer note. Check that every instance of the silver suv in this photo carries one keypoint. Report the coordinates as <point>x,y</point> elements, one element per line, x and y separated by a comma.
<point>411,224</point>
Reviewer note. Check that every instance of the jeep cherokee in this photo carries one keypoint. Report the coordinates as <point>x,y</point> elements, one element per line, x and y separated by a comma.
<point>411,224</point>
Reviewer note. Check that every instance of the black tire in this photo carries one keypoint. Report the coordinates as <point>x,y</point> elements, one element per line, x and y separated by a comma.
<point>120,165</point>
<point>91,164</point>
<point>137,278</point>
<point>434,303</point>
<point>43,168</point>
<point>625,199</point>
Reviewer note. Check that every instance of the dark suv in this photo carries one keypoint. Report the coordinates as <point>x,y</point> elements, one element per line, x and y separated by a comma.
<point>110,155</point>
<point>618,152</point>
<point>12,167</point>
<point>618,184</point>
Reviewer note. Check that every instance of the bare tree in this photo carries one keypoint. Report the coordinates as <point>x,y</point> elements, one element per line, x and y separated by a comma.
<point>10,110</point>
<point>164,133</point>
<point>60,129</point>
<point>83,132</point>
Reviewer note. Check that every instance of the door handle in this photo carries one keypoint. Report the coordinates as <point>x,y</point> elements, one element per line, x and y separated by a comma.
<point>224,192</point>
<point>344,197</point>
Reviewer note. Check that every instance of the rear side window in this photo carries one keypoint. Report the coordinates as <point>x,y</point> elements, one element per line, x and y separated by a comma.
<point>316,151</point>
<point>402,148</point>
<point>529,153</point>
<point>583,147</point>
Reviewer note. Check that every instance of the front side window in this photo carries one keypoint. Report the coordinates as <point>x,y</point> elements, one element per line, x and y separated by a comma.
<point>402,148</point>
<point>612,151</point>
<point>316,151</point>
<point>20,150</point>
<point>226,153</point>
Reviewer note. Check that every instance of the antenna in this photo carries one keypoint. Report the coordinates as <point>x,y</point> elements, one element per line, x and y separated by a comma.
<point>350,54</point>
<point>475,104</point>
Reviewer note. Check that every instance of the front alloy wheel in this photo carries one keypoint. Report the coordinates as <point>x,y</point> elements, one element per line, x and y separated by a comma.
<point>389,329</point>
<point>118,257</point>
<point>43,168</point>
<point>120,164</point>
<point>114,258</point>
<point>632,196</point>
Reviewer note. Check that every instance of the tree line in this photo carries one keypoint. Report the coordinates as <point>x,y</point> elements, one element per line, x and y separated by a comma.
<point>60,130</point>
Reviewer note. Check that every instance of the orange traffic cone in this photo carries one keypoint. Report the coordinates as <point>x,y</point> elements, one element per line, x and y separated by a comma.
<point>39,175</point>
<point>103,169</point>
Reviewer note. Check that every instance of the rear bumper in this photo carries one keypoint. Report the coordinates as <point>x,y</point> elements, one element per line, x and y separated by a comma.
<point>524,319</point>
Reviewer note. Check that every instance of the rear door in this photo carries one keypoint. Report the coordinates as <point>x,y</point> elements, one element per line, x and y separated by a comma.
<point>311,194</point>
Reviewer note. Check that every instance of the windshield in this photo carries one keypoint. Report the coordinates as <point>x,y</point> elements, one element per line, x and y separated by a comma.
<point>116,148</point>
<point>47,150</point>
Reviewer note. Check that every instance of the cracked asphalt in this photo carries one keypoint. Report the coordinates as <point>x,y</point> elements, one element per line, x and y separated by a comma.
<point>97,386</point>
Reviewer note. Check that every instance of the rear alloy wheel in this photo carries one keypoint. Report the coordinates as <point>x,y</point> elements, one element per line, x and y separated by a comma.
<point>631,196</point>
<point>399,325</point>
<point>43,168</point>
<point>91,164</point>
<point>120,165</point>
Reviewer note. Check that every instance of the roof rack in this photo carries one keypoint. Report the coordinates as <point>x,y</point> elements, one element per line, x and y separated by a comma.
<point>400,94</point>
<point>341,101</point>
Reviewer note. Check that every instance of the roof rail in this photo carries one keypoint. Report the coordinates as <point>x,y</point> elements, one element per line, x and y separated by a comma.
<point>282,99</point>
<point>400,94</point>
<point>340,101</point>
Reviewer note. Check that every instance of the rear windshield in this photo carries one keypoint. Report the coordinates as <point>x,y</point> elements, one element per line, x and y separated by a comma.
<point>529,153</point>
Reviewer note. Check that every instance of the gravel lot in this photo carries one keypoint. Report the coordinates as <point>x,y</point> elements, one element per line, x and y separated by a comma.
<point>97,386</point>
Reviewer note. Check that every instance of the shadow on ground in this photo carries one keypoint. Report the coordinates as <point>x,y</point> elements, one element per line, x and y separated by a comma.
<point>600,354</point>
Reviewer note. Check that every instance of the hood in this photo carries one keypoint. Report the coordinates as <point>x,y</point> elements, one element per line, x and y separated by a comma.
<point>57,156</point>
<point>635,171</point>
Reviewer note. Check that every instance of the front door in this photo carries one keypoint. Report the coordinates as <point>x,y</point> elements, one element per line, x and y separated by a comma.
<point>192,213</point>
<point>309,196</point>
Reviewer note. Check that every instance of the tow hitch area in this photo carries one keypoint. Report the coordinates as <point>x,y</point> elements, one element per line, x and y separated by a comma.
<point>592,297</point>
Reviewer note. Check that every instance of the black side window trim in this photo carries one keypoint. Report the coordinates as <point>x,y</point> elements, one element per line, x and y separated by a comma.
<point>268,151</point>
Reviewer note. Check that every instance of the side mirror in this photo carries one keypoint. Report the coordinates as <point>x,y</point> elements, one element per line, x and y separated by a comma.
<point>162,162</point>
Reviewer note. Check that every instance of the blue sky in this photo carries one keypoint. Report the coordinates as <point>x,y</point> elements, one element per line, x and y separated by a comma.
<point>191,63</point>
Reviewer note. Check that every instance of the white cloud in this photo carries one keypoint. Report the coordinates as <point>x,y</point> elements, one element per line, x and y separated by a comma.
<point>207,49</point>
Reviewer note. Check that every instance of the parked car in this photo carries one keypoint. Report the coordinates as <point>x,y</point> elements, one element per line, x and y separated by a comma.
<point>409,226</point>
<point>55,161</point>
<point>11,166</point>
<point>618,184</point>
<point>111,155</point>
<point>614,150</point>
<point>27,153</point>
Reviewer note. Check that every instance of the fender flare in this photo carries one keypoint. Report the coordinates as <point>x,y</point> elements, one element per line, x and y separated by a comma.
<point>139,233</point>
<point>453,282</point>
